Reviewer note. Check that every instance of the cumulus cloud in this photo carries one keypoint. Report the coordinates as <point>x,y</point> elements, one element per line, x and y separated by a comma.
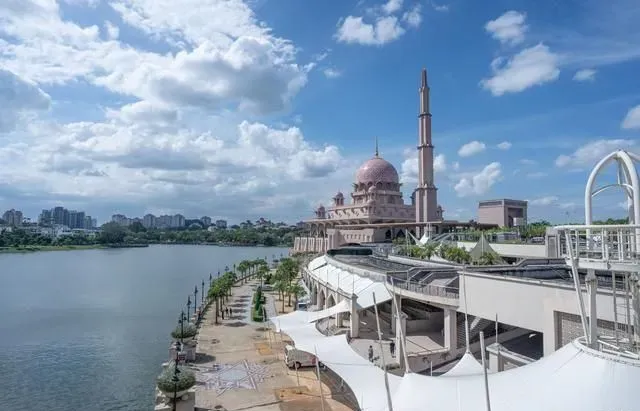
<point>589,154</point>
<point>175,133</point>
<point>18,96</point>
<point>632,119</point>
<point>509,28</point>
<point>409,167</point>
<point>471,148</point>
<point>585,75</point>
<point>505,145</point>
<point>332,73</point>
<point>530,67</point>
<point>479,183</point>
<point>385,24</point>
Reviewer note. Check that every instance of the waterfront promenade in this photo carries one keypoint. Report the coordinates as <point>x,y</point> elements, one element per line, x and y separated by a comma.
<point>240,365</point>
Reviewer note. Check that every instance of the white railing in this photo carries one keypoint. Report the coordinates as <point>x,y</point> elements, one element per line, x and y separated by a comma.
<point>427,289</point>
<point>613,243</point>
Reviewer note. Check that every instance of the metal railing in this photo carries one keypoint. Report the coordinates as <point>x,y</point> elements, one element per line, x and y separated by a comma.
<point>614,243</point>
<point>427,289</point>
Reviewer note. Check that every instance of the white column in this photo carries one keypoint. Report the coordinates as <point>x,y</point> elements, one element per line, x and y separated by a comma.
<point>450,329</point>
<point>394,314</point>
<point>400,342</point>
<point>338,315</point>
<point>355,318</point>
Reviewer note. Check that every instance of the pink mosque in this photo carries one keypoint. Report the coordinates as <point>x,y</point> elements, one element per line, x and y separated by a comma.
<point>377,212</point>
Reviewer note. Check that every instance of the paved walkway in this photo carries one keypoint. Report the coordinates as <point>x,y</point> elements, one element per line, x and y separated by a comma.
<point>240,365</point>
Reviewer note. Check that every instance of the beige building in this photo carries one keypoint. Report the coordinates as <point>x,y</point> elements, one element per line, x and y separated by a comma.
<point>503,212</point>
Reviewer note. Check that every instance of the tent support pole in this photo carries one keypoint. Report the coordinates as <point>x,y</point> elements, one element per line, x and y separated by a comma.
<point>484,371</point>
<point>315,351</point>
<point>403,339</point>
<point>384,365</point>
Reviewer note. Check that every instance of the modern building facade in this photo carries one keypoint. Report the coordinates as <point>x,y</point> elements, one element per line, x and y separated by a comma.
<point>503,212</point>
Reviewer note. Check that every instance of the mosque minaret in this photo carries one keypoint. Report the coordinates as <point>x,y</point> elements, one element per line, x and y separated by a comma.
<point>426,194</point>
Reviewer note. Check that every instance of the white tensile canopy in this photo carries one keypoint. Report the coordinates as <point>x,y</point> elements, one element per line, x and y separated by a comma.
<point>468,365</point>
<point>365,379</point>
<point>343,280</point>
<point>574,378</point>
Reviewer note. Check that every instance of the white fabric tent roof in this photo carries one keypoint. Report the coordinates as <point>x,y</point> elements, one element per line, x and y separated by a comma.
<point>365,379</point>
<point>467,365</point>
<point>344,280</point>
<point>299,318</point>
<point>573,378</point>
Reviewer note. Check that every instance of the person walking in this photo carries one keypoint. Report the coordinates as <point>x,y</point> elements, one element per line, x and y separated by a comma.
<point>222,313</point>
<point>392,348</point>
<point>230,312</point>
<point>227,311</point>
<point>371,353</point>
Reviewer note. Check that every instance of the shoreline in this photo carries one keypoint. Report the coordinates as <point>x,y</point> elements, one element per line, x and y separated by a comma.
<point>27,249</point>
<point>40,248</point>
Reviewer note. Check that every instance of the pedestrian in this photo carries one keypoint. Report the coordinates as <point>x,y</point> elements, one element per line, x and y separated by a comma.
<point>371,353</point>
<point>227,311</point>
<point>230,312</point>
<point>392,348</point>
<point>222,313</point>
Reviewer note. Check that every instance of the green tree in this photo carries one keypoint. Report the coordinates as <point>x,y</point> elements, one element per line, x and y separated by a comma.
<point>111,233</point>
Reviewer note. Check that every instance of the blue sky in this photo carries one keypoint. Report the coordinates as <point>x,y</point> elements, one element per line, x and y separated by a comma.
<point>266,108</point>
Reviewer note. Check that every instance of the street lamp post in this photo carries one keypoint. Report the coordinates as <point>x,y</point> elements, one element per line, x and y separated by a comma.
<point>210,279</point>
<point>202,290</point>
<point>188,306</point>
<point>175,380</point>
<point>181,321</point>
<point>195,299</point>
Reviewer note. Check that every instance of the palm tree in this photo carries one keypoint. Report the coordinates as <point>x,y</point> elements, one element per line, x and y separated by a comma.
<point>215,293</point>
<point>298,291</point>
<point>281,287</point>
<point>430,250</point>
<point>488,258</point>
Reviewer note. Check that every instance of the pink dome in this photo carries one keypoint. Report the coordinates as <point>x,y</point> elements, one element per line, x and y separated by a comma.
<point>377,170</point>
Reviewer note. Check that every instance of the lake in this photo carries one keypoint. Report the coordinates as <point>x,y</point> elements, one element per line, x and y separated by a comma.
<point>89,329</point>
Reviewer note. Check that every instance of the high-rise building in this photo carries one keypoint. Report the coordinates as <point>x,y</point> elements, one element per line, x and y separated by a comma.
<point>13,217</point>
<point>45,218</point>
<point>206,220</point>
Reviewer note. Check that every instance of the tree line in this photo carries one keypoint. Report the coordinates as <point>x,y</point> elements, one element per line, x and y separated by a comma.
<point>113,233</point>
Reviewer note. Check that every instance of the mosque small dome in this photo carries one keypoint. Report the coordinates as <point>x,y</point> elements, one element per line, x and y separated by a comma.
<point>372,189</point>
<point>339,195</point>
<point>321,207</point>
<point>377,170</point>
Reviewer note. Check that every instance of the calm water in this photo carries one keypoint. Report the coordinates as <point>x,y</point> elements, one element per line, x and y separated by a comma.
<point>88,329</point>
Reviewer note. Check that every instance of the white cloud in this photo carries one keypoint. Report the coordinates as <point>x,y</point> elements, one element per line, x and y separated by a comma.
<point>112,31</point>
<point>544,201</point>
<point>385,24</point>
<point>585,75</point>
<point>471,148</point>
<point>392,6</point>
<point>332,73</point>
<point>592,152</point>
<point>479,183</point>
<point>508,28</point>
<point>354,30</point>
<point>530,67</point>
<point>17,97</point>
<point>413,17</point>
<point>440,7</point>
<point>409,167</point>
<point>632,119</point>
<point>505,145</point>
<point>175,133</point>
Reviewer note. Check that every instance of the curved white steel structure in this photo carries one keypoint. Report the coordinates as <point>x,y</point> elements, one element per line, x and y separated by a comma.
<point>627,180</point>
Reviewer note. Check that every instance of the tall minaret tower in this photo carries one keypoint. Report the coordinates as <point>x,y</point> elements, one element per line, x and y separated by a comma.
<point>426,192</point>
